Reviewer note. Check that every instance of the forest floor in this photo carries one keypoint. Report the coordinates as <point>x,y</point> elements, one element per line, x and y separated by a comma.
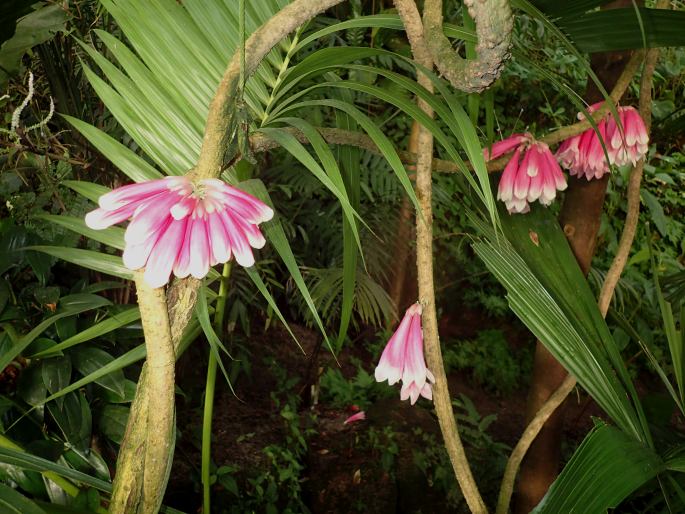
<point>344,468</point>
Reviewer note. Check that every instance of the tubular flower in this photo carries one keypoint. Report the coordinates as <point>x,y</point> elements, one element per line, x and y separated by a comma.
<point>180,226</point>
<point>583,154</point>
<point>402,359</point>
<point>531,174</point>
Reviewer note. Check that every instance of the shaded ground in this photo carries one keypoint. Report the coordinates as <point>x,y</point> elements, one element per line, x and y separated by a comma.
<point>347,468</point>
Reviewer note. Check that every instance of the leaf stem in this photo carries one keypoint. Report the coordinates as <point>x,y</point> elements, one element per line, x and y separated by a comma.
<point>210,389</point>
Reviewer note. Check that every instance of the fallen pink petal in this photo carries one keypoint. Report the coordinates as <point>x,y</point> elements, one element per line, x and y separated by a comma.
<point>403,359</point>
<point>359,416</point>
<point>181,227</point>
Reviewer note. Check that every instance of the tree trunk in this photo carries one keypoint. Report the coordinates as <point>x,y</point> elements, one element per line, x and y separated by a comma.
<point>580,219</point>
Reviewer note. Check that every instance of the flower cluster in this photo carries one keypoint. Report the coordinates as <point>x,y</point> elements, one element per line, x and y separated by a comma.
<point>583,154</point>
<point>402,359</point>
<point>531,174</point>
<point>182,226</point>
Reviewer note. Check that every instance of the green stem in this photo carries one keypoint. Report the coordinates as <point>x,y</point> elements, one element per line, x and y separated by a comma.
<point>210,389</point>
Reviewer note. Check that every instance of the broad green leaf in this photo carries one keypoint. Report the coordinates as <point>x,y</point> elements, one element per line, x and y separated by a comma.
<point>605,469</point>
<point>13,502</point>
<point>89,359</point>
<point>56,373</point>
<point>134,355</point>
<point>622,29</point>
<point>112,421</point>
<point>547,291</point>
<point>73,418</point>
<point>36,27</point>
<point>108,264</point>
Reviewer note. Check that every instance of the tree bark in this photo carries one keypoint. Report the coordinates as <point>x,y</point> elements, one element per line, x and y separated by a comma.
<point>580,219</point>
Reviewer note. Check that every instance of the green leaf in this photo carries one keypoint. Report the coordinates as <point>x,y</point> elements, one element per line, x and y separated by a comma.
<point>13,502</point>
<point>112,236</point>
<point>215,344</point>
<point>88,360</point>
<point>108,264</point>
<point>605,469</point>
<point>31,462</point>
<point>134,355</point>
<point>74,419</point>
<point>112,421</point>
<point>122,157</point>
<point>33,29</point>
<point>548,292</point>
<point>273,231</point>
<point>88,189</point>
<point>56,373</point>
<point>622,29</point>
<point>114,322</point>
<point>27,339</point>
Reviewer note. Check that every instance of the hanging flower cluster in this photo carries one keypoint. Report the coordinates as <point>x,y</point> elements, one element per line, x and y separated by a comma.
<point>183,226</point>
<point>402,359</point>
<point>531,174</point>
<point>583,154</point>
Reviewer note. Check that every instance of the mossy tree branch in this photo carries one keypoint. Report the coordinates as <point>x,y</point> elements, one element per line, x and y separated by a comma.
<point>494,23</point>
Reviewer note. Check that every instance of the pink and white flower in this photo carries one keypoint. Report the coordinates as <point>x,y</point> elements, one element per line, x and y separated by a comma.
<point>183,226</point>
<point>583,154</point>
<point>531,174</point>
<point>402,359</point>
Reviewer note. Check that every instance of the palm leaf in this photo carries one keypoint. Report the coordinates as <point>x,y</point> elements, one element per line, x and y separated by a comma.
<point>605,469</point>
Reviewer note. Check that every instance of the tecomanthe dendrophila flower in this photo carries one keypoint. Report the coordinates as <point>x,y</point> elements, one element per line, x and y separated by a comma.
<point>402,359</point>
<point>182,226</point>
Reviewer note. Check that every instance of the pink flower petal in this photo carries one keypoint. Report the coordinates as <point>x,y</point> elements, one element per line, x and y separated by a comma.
<point>199,248</point>
<point>132,193</point>
<point>359,416</point>
<point>391,364</point>
<point>238,240</point>
<point>164,254</point>
<point>504,146</point>
<point>505,190</point>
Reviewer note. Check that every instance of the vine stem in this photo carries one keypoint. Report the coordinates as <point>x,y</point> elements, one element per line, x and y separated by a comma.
<point>210,389</point>
<point>424,263</point>
<point>608,286</point>
<point>131,484</point>
<point>161,361</point>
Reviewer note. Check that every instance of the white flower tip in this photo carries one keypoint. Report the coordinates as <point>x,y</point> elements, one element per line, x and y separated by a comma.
<point>268,213</point>
<point>95,220</point>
